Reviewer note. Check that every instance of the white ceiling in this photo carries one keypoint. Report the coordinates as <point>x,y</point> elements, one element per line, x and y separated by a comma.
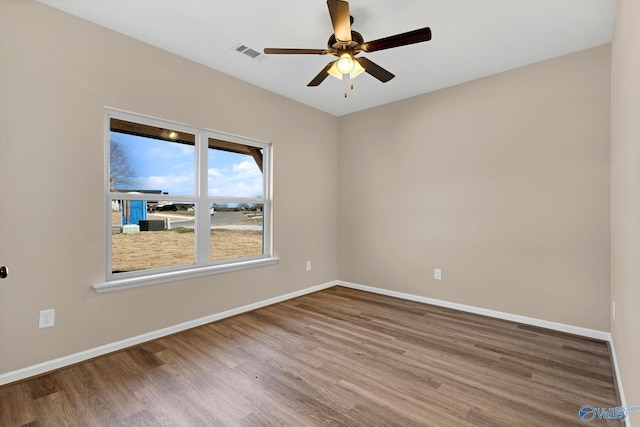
<point>471,39</point>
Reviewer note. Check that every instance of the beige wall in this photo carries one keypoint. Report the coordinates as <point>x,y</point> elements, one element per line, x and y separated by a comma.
<point>502,182</point>
<point>57,73</point>
<point>625,198</point>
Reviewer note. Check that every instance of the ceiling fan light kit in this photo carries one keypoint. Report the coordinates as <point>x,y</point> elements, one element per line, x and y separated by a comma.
<point>346,63</point>
<point>335,71</point>
<point>346,44</point>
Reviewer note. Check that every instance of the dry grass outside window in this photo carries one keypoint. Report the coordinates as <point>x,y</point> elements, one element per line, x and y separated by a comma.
<point>156,249</point>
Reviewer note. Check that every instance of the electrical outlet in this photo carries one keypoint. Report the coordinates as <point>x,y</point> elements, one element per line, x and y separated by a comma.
<point>437,274</point>
<point>308,265</point>
<point>47,318</point>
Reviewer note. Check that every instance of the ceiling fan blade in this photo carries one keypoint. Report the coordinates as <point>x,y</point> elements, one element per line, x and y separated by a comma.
<point>341,20</point>
<point>375,70</point>
<point>411,37</point>
<point>276,51</point>
<point>321,75</point>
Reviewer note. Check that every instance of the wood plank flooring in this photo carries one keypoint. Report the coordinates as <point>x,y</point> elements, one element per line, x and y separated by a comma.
<point>335,357</point>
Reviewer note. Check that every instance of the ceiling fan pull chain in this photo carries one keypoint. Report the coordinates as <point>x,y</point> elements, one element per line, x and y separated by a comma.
<point>346,78</point>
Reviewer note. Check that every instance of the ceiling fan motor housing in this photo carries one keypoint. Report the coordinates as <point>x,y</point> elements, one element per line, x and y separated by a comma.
<point>356,41</point>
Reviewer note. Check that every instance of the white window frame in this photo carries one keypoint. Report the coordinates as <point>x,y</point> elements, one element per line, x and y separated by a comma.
<point>203,264</point>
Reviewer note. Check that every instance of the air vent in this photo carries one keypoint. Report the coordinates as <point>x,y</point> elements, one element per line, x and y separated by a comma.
<point>252,53</point>
<point>245,50</point>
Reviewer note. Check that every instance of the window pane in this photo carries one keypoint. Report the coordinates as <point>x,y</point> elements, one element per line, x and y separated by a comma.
<point>235,170</point>
<point>145,235</point>
<point>145,158</point>
<point>159,174</point>
<point>236,230</point>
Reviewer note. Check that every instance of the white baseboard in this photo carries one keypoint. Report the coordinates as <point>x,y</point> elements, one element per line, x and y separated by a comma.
<point>616,370</point>
<point>576,330</point>
<point>51,365</point>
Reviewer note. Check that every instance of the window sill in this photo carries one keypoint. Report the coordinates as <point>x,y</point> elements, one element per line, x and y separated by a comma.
<point>154,279</point>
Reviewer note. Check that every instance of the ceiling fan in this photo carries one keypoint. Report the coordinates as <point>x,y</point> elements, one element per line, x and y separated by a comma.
<point>345,44</point>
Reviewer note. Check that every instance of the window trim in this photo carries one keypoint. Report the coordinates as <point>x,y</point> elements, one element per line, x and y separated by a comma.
<point>201,266</point>
<point>192,272</point>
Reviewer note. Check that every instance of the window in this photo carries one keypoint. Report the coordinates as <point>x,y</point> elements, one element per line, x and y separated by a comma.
<point>182,201</point>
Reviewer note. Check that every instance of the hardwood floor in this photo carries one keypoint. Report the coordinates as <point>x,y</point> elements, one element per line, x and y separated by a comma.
<point>335,357</point>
